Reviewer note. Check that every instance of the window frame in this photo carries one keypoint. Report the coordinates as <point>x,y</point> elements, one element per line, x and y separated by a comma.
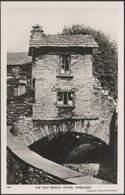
<point>63,98</point>
<point>20,88</point>
<point>68,57</point>
<point>17,89</point>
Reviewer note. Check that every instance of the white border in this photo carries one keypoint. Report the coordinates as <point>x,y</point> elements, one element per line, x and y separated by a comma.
<point>26,189</point>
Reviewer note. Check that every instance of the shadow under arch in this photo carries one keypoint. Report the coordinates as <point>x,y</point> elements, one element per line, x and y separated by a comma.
<point>71,147</point>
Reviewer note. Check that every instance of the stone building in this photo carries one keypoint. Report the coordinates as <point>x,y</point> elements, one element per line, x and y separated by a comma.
<point>64,82</point>
<point>19,96</point>
<point>19,68</point>
<point>67,95</point>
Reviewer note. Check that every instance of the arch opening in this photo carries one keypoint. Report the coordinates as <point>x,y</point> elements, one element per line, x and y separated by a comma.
<point>71,147</point>
<point>81,152</point>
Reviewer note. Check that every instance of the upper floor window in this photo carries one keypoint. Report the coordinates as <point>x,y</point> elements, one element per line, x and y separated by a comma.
<point>65,67</point>
<point>65,99</point>
<point>65,64</point>
<point>21,88</point>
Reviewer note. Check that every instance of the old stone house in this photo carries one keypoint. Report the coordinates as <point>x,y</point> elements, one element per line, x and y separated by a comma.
<point>64,82</point>
<point>67,95</point>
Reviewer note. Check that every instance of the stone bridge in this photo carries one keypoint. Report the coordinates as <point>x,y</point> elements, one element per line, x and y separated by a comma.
<point>26,167</point>
<point>32,130</point>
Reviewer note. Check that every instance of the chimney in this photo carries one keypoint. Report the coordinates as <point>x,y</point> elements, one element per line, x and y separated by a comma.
<point>36,31</point>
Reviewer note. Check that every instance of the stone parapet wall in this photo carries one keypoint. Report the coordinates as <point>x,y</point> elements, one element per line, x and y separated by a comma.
<point>19,172</point>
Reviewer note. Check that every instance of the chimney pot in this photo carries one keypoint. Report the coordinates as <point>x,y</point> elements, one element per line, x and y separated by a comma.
<point>36,28</point>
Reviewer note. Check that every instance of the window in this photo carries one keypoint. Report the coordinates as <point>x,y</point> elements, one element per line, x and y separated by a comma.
<point>22,89</point>
<point>65,99</point>
<point>65,65</point>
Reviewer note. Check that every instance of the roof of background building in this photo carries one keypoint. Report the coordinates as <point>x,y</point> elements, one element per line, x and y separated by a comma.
<point>18,58</point>
<point>62,40</point>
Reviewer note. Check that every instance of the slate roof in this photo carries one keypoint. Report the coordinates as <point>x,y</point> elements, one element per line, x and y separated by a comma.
<point>18,58</point>
<point>63,41</point>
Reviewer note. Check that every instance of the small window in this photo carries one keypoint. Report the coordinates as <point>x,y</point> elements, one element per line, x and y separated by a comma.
<point>65,99</point>
<point>65,65</point>
<point>22,89</point>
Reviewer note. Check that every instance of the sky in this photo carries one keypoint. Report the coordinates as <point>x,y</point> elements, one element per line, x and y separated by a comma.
<point>20,20</point>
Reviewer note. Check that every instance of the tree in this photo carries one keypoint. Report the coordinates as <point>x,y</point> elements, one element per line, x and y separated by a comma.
<point>105,62</point>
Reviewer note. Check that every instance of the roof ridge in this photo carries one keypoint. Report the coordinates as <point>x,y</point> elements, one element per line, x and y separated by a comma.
<point>65,35</point>
<point>63,39</point>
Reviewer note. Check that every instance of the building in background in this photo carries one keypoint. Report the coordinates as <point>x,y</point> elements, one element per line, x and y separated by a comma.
<point>19,71</point>
<point>19,86</point>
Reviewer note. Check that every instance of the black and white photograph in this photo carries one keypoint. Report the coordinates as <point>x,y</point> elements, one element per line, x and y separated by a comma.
<point>62,97</point>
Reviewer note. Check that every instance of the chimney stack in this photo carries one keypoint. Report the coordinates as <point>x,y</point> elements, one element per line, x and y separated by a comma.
<point>36,31</point>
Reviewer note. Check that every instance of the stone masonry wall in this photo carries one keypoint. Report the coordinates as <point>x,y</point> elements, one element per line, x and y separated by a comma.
<point>19,172</point>
<point>18,106</point>
<point>31,131</point>
<point>87,103</point>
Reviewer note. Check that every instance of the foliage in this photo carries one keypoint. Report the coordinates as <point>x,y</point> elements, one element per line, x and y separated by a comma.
<point>105,62</point>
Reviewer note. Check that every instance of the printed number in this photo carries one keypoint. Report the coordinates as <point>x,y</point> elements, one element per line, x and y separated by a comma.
<point>9,186</point>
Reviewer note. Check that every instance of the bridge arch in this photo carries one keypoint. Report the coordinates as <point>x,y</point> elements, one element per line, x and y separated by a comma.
<point>71,147</point>
<point>31,131</point>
